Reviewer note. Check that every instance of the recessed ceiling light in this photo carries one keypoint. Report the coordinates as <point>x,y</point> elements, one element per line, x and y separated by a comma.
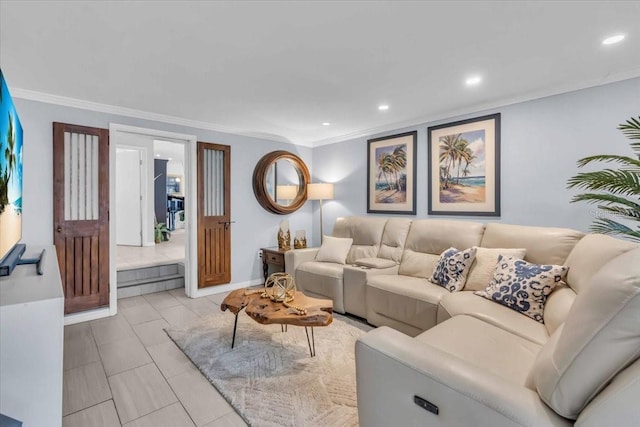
<point>383,107</point>
<point>613,39</point>
<point>472,81</point>
<point>326,124</point>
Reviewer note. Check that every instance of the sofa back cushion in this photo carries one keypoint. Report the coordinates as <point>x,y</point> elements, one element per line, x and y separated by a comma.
<point>366,233</point>
<point>394,237</point>
<point>600,337</point>
<point>590,254</point>
<point>484,265</point>
<point>557,307</point>
<point>428,238</point>
<point>544,245</point>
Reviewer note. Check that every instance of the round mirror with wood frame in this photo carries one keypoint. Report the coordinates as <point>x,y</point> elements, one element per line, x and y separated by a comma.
<point>266,185</point>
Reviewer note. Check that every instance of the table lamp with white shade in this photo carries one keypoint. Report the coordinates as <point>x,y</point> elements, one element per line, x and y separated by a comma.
<point>320,191</point>
<point>286,192</point>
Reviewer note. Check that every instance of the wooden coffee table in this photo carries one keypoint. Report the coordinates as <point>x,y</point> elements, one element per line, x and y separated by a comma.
<point>264,311</point>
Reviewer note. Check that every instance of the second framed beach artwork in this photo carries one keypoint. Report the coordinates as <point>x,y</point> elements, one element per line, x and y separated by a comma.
<point>391,174</point>
<point>464,167</point>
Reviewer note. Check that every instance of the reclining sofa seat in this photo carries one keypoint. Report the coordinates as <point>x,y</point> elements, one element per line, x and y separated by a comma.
<point>407,301</point>
<point>481,370</point>
<point>543,245</point>
<point>325,279</point>
<point>357,275</point>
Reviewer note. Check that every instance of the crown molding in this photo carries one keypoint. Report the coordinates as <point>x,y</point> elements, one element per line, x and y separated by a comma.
<point>64,101</point>
<point>626,75</point>
<point>139,114</point>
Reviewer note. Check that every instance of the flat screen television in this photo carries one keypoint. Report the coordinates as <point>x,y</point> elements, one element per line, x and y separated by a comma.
<point>10,173</point>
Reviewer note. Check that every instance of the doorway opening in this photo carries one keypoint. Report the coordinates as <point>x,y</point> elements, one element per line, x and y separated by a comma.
<point>153,177</point>
<point>156,264</point>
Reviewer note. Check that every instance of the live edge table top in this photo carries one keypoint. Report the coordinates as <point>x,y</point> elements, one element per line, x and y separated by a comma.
<point>265,311</point>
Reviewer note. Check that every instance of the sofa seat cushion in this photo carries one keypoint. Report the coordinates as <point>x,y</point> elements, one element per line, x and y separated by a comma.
<point>481,344</point>
<point>322,280</point>
<point>466,303</point>
<point>410,300</point>
<point>330,269</point>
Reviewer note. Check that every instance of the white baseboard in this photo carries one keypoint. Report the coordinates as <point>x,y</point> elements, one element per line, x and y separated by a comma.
<point>101,313</point>
<point>85,316</point>
<point>227,288</point>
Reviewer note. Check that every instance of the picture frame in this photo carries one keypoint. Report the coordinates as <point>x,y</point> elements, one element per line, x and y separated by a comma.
<point>174,184</point>
<point>391,174</point>
<point>464,167</point>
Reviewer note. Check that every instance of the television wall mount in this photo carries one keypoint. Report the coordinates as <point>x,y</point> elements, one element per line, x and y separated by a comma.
<point>15,258</point>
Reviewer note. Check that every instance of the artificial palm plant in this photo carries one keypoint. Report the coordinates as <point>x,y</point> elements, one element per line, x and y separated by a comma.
<point>615,191</point>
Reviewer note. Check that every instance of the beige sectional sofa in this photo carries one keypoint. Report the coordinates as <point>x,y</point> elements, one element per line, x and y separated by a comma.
<point>478,362</point>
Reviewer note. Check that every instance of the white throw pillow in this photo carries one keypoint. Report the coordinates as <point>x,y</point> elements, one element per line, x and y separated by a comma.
<point>523,286</point>
<point>484,265</point>
<point>334,249</point>
<point>452,268</point>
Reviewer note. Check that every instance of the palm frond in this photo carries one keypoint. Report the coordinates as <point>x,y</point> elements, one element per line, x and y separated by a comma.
<point>609,226</point>
<point>625,213</point>
<point>631,128</point>
<point>616,181</point>
<point>615,192</point>
<point>607,199</point>
<point>623,160</point>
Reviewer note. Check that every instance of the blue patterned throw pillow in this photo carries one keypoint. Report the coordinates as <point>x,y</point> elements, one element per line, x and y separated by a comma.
<point>453,267</point>
<point>523,286</point>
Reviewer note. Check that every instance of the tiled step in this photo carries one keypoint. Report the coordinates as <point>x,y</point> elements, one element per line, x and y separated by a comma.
<point>140,281</point>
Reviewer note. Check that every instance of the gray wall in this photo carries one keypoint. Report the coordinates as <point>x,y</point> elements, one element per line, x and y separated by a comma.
<point>254,227</point>
<point>541,141</point>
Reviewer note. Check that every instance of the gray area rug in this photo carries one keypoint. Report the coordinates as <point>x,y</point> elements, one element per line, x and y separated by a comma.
<point>269,377</point>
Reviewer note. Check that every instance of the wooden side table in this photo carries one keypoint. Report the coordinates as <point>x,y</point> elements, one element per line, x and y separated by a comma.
<point>273,257</point>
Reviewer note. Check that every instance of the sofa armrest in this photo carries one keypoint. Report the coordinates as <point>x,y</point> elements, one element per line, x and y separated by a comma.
<point>295,257</point>
<point>354,289</point>
<point>392,368</point>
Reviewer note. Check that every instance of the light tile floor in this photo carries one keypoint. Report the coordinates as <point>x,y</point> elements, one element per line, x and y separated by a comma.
<point>125,371</point>
<point>129,257</point>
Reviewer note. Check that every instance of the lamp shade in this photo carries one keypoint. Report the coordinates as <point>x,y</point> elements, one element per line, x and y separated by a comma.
<point>320,191</point>
<point>286,192</point>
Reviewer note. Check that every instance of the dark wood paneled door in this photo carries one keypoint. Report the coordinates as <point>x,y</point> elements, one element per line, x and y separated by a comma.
<point>214,214</point>
<point>81,214</point>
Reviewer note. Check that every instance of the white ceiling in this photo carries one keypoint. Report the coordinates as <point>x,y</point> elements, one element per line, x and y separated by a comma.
<point>279,69</point>
<point>172,151</point>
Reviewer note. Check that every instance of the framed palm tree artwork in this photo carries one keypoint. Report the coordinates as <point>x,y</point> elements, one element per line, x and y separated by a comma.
<point>464,167</point>
<point>391,174</point>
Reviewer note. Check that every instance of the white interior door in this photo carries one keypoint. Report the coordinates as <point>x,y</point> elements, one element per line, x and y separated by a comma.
<point>129,197</point>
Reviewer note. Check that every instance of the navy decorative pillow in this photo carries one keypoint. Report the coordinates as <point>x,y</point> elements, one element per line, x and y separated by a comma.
<point>453,267</point>
<point>523,286</point>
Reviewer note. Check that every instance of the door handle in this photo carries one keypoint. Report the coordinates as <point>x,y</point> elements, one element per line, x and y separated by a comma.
<point>59,229</point>
<point>226,224</point>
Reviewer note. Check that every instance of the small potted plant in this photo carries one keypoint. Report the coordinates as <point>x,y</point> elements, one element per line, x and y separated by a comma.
<point>161,232</point>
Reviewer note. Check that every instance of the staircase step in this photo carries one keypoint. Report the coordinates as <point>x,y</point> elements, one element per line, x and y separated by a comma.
<point>148,280</point>
<point>150,288</point>
<point>149,272</point>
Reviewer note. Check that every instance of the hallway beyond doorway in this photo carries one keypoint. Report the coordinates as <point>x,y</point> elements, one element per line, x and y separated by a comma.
<point>172,251</point>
